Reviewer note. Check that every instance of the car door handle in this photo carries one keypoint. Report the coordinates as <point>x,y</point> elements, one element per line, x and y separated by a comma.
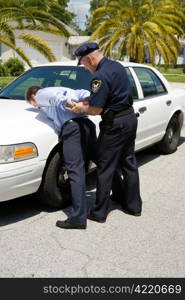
<point>168,102</point>
<point>142,109</point>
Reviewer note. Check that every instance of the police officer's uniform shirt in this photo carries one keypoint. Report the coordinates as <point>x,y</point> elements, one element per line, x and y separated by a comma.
<point>52,101</point>
<point>110,87</point>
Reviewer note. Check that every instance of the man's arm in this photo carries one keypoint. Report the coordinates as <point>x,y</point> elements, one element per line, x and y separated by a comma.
<point>46,97</point>
<point>54,96</point>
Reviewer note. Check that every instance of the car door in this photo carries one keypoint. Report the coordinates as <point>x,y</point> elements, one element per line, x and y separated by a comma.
<point>152,105</point>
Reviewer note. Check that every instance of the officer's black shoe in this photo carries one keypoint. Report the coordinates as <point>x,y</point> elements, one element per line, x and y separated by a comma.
<point>93,218</point>
<point>115,199</point>
<point>125,210</point>
<point>129,212</point>
<point>67,225</point>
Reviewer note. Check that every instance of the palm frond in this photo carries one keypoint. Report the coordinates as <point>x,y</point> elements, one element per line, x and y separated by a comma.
<point>38,44</point>
<point>39,27</point>
<point>122,48</point>
<point>6,29</point>
<point>18,50</point>
<point>46,18</point>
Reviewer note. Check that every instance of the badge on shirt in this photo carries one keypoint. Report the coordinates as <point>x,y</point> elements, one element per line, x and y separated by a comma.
<point>95,85</point>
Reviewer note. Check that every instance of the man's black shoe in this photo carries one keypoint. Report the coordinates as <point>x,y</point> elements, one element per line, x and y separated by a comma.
<point>129,212</point>
<point>67,225</point>
<point>93,218</point>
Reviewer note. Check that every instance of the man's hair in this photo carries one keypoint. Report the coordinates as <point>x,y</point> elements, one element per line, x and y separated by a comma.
<point>95,52</point>
<point>32,90</point>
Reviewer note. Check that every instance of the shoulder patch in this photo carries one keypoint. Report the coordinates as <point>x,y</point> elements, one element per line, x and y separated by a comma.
<point>95,85</point>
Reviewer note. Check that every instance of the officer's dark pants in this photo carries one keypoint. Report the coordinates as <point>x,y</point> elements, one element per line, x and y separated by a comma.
<point>115,149</point>
<point>76,136</point>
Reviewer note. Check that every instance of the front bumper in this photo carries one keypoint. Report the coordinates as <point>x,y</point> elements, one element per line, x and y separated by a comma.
<point>20,178</point>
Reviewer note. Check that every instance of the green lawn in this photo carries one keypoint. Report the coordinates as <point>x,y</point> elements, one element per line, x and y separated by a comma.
<point>173,74</point>
<point>175,78</point>
<point>5,80</point>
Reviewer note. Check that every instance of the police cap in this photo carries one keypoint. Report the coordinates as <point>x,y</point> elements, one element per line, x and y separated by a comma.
<point>85,49</point>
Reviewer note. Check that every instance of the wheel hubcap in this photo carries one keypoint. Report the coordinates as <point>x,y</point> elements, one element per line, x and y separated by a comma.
<point>170,135</point>
<point>62,177</point>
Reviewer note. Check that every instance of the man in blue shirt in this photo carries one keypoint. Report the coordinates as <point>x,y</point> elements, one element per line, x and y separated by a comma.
<point>77,133</point>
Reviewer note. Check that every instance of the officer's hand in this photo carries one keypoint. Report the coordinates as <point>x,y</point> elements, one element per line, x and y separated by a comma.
<point>85,101</point>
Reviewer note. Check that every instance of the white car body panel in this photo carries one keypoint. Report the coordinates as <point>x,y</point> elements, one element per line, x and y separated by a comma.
<point>22,123</point>
<point>151,124</point>
<point>26,124</point>
<point>20,178</point>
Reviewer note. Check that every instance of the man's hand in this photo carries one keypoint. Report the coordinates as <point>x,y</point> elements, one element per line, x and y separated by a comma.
<point>82,107</point>
<point>69,103</point>
<point>72,104</point>
<point>79,107</point>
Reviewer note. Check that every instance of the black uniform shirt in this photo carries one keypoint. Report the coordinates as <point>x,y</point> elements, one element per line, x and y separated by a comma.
<point>110,87</point>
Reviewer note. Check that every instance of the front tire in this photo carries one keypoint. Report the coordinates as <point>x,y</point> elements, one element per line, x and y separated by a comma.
<point>55,189</point>
<point>171,138</point>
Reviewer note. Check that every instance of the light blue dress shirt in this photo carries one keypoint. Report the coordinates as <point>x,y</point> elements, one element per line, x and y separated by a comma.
<point>52,101</point>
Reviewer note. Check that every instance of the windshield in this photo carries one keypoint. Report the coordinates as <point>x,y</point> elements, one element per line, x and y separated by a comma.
<point>67,76</point>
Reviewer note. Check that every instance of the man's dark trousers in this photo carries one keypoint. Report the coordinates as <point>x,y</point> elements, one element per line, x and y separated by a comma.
<point>115,149</point>
<point>75,135</point>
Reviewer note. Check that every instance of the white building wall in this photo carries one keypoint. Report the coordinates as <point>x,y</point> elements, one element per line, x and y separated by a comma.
<point>181,58</point>
<point>6,52</point>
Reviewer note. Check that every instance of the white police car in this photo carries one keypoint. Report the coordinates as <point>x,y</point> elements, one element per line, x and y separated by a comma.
<point>30,159</point>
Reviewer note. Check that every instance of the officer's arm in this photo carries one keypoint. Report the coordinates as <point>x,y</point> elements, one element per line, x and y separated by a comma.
<point>99,95</point>
<point>93,110</point>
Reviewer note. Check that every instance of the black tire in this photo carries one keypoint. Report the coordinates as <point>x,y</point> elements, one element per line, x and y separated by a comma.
<point>55,189</point>
<point>171,138</point>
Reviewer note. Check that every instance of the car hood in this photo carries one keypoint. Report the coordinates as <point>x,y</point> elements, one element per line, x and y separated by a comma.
<point>20,122</point>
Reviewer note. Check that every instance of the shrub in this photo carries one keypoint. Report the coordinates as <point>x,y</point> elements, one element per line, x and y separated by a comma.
<point>14,67</point>
<point>2,70</point>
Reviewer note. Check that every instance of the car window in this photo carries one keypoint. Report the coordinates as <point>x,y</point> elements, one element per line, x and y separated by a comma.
<point>150,82</point>
<point>132,84</point>
<point>67,76</point>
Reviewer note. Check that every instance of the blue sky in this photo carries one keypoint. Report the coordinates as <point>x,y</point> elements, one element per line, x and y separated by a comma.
<point>80,8</point>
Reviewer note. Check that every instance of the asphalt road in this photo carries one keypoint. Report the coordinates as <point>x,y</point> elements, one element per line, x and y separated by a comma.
<point>152,245</point>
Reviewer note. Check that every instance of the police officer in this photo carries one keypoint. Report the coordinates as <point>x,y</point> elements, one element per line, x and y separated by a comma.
<point>78,137</point>
<point>111,97</point>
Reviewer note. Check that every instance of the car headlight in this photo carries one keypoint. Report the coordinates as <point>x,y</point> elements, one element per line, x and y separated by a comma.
<point>17,152</point>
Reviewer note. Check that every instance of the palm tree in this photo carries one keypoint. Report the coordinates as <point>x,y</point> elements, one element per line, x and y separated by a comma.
<point>94,4</point>
<point>32,15</point>
<point>139,26</point>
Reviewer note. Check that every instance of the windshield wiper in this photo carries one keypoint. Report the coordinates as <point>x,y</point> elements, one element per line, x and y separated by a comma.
<point>5,97</point>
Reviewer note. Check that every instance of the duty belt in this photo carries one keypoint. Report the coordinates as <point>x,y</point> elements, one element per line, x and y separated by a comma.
<point>110,115</point>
